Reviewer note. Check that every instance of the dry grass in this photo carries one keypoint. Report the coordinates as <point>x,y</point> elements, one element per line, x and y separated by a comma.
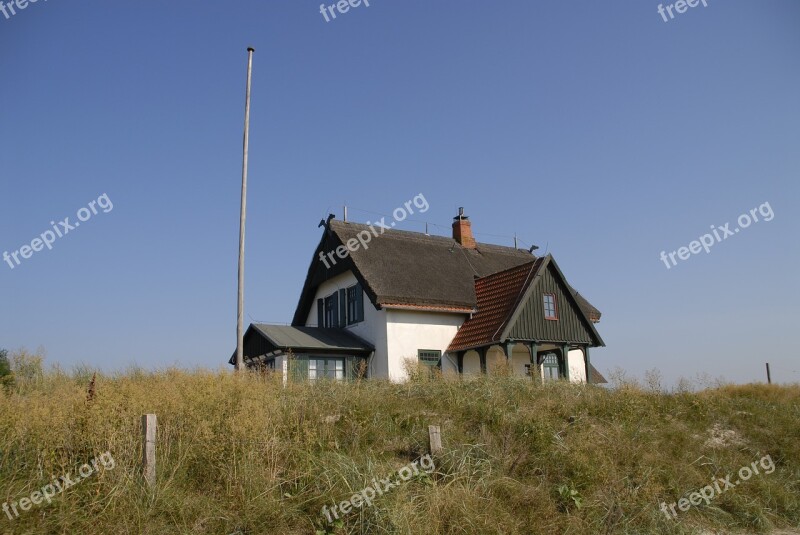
<point>245,455</point>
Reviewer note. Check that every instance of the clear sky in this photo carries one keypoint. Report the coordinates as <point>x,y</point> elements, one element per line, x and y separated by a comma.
<point>595,130</point>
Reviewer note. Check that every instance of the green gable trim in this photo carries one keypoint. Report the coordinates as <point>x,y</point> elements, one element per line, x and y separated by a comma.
<point>528,320</point>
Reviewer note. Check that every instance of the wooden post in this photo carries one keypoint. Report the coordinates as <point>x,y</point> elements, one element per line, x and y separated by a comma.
<point>149,449</point>
<point>769,376</point>
<point>536,369</point>
<point>588,363</point>
<point>435,436</point>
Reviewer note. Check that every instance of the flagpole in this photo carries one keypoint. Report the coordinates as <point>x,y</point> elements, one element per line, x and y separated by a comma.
<point>242,216</point>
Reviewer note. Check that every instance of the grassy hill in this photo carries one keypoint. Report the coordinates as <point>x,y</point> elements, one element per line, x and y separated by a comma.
<point>246,455</point>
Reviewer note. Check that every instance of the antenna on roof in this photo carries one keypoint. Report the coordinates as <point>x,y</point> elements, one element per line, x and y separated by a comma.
<point>515,240</point>
<point>345,213</point>
<point>426,229</point>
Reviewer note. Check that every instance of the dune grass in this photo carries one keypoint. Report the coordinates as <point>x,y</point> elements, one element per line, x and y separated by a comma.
<point>243,454</point>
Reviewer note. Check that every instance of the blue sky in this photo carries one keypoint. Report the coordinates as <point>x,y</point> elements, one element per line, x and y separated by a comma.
<point>593,129</point>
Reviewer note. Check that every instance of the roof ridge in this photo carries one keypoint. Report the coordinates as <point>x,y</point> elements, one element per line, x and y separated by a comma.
<point>421,236</point>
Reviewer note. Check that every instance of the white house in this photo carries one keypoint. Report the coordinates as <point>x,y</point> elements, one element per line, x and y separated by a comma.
<point>373,300</point>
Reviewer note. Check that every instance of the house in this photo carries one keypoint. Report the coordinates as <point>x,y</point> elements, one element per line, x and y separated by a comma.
<point>446,302</point>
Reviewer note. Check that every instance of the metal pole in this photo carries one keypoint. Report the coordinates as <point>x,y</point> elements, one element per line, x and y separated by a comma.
<point>769,376</point>
<point>243,214</point>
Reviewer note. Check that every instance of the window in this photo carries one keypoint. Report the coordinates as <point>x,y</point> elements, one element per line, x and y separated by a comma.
<point>551,367</point>
<point>550,311</point>
<point>355,304</point>
<point>429,357</point>
<point>319,368</point>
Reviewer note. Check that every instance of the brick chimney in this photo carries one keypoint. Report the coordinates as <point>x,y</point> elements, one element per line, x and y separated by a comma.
<point>462,230</point>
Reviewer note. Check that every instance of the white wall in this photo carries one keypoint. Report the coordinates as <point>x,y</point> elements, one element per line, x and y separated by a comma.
<point>576,365</point>
<point>472,363</point>
<point>372,329</point>
<point>520,357</point>
<point>494,358</point>
<point>409,330</point>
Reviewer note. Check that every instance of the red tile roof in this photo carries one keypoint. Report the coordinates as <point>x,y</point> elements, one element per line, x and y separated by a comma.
<point>497,295</point>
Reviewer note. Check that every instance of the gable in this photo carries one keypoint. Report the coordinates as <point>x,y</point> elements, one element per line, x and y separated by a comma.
<point>529,323</point>
<point>497,295</point>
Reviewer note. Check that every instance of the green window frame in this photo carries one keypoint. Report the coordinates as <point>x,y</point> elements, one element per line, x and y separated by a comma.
<point>551,367</point>
<point>326,368</point>
<point>430,357</point>
<point>342,368</point>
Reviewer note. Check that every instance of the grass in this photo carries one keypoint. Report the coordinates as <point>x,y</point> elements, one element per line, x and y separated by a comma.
<point>243,454</point>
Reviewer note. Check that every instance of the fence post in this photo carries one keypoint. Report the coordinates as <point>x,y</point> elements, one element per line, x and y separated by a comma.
<point>149,449</point>
<point>435,436</point>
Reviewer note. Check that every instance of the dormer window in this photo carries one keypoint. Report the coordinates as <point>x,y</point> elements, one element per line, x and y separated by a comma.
<point>550,310</point>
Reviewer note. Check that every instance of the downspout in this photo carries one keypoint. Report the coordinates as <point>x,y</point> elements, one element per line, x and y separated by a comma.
<point>369,364</point>
<point>450,358</point>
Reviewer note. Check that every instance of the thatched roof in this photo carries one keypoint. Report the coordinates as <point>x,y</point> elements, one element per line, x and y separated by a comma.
<point>411,269</point>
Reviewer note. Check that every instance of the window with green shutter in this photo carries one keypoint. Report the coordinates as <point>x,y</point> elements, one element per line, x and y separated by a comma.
<point>332,310</point>
<point>298,368</point>
<point>355,304</point>
<point>430,357</point>
<point>342,309</point>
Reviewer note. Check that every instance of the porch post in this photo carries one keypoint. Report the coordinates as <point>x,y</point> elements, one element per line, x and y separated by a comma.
<point>508,349</point>
<point>460,360</point>
<point>565,363</point>
<point>482,353</point>
<point>588,365</point>
<point>536,370</point>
